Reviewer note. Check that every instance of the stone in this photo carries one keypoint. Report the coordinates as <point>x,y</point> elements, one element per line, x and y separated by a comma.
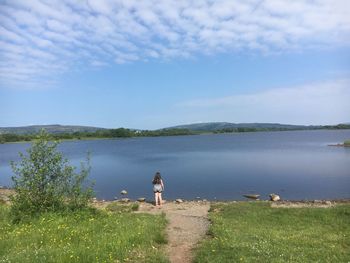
<point>274,197</point>
<point>252,196</point>
<point>141,199</point>
<point>179,201</point>
<point>124,192</point>
<point>125,200</point>
<point>205,200</point>
<point>5,198</point>
<point>327,202</point>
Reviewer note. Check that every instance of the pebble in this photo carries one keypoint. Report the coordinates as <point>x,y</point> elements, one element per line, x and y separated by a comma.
<point>125,200</point>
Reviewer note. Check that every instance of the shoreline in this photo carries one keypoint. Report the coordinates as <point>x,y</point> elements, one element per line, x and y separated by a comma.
<point>5,194</point>
<point>339,145</point>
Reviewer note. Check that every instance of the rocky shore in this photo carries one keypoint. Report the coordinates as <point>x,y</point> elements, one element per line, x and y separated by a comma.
<point>5,194</point>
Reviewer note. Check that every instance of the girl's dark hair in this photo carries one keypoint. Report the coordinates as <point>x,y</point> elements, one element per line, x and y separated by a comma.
<point>157,178</point>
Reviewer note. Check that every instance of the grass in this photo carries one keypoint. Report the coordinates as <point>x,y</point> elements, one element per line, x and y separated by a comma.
<point>122,207</point>
<point>86,236</point>
<point>347,143</point>
<point>255,232</point>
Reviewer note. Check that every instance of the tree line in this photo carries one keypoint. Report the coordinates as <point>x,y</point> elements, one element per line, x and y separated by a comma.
<point>256,129</point>
<point>127,133</point>
<point>108,133</point>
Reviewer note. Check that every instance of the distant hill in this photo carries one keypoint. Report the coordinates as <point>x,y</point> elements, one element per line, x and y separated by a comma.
<point>53,129</point>
<point>215,126</point>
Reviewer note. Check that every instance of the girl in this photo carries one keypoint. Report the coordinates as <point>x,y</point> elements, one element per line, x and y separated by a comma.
<point>158,188</point>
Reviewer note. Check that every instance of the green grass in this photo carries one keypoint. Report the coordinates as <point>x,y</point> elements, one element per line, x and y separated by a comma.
<point>347,142</point>
<point>122,207</point>
<point>86,236</point>
<point>255,232</point>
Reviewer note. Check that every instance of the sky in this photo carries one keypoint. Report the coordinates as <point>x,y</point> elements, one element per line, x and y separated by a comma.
<point>154,64</point>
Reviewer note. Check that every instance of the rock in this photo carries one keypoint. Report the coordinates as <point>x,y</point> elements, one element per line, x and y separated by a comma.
<point>141,199</point>
<point>250,196</point>
<point>5,198</point>
<point>123,192</point>
<point>115,198</point>
<point>205,200</point>
<point>274,197</point>
<point>327,202</point>
<point>198,197</point>
<point>94,199</point>
<point>179,201</point>
<point>125,200</point>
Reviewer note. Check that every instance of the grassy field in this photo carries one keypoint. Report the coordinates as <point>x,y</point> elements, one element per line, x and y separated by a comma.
<point>255,232</point>
<point>87,236</point>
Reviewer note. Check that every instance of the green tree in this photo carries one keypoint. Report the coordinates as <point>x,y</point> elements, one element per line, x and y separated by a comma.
<point>45,181</point>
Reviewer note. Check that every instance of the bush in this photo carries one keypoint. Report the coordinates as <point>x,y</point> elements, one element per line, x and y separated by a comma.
<point>44,181</point>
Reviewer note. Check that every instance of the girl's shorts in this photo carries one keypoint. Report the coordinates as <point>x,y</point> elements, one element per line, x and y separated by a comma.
<point>157,188</point>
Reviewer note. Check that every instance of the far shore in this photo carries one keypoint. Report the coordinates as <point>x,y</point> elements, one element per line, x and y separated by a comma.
<point>195,133</point>
<point>340,145</point>
<point>74,139</point>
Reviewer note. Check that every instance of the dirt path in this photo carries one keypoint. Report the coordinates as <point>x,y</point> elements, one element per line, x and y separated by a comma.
<point>188,224</point>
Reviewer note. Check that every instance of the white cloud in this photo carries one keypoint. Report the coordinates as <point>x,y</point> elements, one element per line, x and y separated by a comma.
<point>120,31</point>
<point>315,103</point>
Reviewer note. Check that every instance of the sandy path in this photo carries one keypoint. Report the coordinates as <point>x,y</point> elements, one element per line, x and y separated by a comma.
<point>188,224</point>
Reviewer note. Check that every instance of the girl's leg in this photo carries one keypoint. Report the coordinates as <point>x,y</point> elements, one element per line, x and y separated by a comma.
<point>156,198</point>
<point>160,199</point>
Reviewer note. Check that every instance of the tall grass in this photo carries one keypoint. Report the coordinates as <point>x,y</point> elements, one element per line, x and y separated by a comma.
<point>85,236</point>
<point>255,232</point>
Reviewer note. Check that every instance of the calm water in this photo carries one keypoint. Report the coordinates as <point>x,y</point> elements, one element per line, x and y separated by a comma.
<point>296,165</point>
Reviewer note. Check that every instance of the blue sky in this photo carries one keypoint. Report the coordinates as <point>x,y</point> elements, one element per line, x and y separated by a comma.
<point>152,64</point>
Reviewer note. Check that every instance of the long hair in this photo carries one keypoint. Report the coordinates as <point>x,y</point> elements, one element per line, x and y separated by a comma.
<point>157,178</point>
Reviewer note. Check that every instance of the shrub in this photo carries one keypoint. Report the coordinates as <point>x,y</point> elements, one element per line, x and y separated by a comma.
<point>44,181</point>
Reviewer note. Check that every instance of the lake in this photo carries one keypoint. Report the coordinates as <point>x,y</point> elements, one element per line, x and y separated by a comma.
<point>295,164</point>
